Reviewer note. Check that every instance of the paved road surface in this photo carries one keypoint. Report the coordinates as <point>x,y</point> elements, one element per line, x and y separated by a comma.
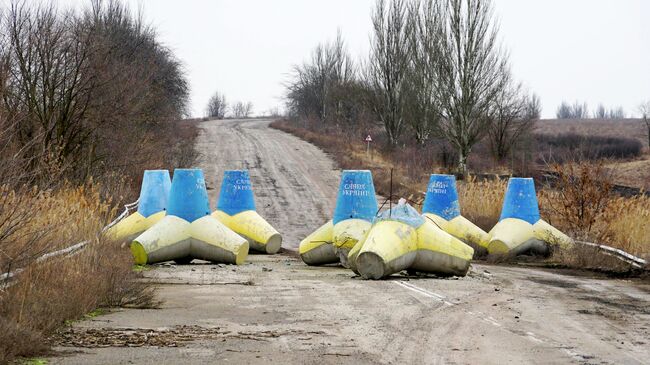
<point>277,310</point>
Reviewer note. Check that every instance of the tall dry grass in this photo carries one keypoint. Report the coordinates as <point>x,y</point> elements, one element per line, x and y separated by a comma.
<point>44,295</point>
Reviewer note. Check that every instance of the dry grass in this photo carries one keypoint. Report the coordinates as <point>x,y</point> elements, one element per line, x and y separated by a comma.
<point>47,294</point>
<point>616,221</point>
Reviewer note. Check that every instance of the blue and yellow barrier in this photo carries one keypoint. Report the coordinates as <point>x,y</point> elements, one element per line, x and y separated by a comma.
<point>356,206</point>
<point>188,230</point>
<point>402,239</point>
<point>442,207</point>
<point>520,228</point>
<point>236,210</point>
<point>154,192</point>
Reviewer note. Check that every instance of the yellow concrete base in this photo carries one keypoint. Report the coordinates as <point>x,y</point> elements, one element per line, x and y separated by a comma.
<point>461,228</point>
<point>346,234</point>
<point>318,247</point>
<point>389,248</point>
<point>131,226</point>
<point>174,238</point>
<point>441,253</point>
<point>261,236</point>
<point>515,236</point>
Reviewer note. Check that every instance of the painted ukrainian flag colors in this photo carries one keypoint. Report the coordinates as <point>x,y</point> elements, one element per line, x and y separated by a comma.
<point>441,206</point>
<point>236,210</point>
<point>401,239</point>
<point>188,231</point>
<point>152,206</point>
<point>356,207</point>
<point>520,227</point>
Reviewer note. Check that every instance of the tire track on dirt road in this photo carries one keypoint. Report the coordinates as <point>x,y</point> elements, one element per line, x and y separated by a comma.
<point>294,182</point>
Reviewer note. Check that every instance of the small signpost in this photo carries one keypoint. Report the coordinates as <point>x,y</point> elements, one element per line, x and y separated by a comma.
<point>368,140</point>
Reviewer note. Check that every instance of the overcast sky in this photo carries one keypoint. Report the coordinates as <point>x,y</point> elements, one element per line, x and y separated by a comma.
<point>587,50</point>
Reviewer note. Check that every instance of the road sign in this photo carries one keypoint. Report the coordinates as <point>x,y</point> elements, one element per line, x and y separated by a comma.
<point>368,139</point>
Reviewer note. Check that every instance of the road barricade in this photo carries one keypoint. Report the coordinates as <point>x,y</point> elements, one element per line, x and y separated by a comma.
<point>236,210</point>
<point>188,230</point>
<point>441,206</point>
<point>520,228</point>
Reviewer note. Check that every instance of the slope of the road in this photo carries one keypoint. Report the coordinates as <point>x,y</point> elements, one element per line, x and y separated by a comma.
<point>278,310</point>
<point>294,182</point>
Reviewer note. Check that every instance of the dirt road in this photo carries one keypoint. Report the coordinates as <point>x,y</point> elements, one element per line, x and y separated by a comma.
<point>277,310</point>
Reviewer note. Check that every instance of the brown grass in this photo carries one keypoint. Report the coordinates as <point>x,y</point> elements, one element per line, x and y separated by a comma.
<point>618,221</point>
<point>47,294</point>
<point>627,128</point>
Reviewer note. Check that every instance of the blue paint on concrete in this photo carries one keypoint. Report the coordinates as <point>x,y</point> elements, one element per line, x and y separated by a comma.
<point>188,197</point>
<point>520,200</point>
<point>154,192</point>
<point>441,198</point>
<point>236,194</point>
<point>356,197</point>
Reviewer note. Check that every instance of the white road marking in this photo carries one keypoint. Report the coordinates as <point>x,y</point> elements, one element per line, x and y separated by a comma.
<point>424,292</point>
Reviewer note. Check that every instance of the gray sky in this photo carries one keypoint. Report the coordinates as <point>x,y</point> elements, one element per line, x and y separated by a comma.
<point>587,50</point>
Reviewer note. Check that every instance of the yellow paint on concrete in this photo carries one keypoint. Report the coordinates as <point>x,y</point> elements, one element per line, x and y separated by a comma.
<point>432,238</point>
<point>348,232</point>
<point>133,225</point>
<point>461,228</point>
<point>260,234</point>
<point>206,238</point>
<point>509,234</point>
<point>551,235</point>
<point>322,236</point>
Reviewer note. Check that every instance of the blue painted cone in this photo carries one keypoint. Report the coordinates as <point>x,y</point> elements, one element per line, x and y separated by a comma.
<point>442,198</point>
<point>188,197</point>
<point>520,200</point>
<point>154,192</point>
<point>356,197</point>
<point>236,192</point>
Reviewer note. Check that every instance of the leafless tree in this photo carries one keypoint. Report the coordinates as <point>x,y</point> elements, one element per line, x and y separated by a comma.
<point>645,117</point>
<point>423,24</point>
<point>319,87</point>
<point>576,111</point>
<point>534,107</point>
<point>388,66</point>
<point>217,106</point>
<point>472,69</point>
<point>241,109</point>
<point>602,112</point>
<point>514,114</point>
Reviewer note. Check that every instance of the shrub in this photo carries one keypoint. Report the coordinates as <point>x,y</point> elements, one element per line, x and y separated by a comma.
<point>569,146</point>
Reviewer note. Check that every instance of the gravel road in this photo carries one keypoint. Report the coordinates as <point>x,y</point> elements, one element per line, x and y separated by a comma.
<point>277,310</point>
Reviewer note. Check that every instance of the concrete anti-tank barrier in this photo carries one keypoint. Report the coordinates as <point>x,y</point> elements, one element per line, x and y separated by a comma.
<point>401,239</point>
<point>442,207</point>
<point>356,206</point>
<point>152,206</point>
<point>188,230</point>
<point>520,228</point>
<point>236,210</point>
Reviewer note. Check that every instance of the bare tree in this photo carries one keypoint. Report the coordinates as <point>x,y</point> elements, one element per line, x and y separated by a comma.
<point>242,110</point>
<point>388,65</point>
<point>534,107</point>
<point>645,117</point>
<point>421,112</point>
<point>576,111</point>
<point>472,69</point>
<point>320,87</point>
<point>514,115</point>
<point>217,106</point>
<point>614,113</point>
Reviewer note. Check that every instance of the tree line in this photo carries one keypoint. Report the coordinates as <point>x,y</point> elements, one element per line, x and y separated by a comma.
<point>219,108</point>
<point>84,93</point>
<point>436,69</point>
